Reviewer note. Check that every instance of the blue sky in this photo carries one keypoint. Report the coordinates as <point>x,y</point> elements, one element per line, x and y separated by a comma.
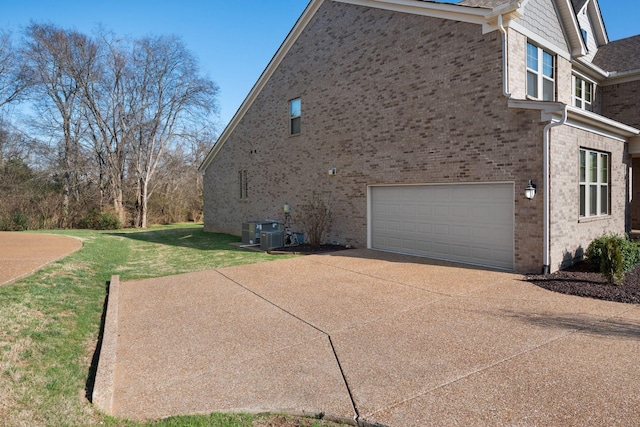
<point>233,39</point>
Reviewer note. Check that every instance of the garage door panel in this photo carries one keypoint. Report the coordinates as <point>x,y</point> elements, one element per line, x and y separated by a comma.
<point>470,223</point>
<point>441,249</point>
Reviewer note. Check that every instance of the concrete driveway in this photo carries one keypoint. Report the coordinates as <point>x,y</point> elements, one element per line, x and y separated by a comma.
<point>385,339</point>
<point>21,253</point>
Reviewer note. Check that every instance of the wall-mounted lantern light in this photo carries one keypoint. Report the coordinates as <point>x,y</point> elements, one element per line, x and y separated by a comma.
<point>287,208</point>
<point>530,191</point>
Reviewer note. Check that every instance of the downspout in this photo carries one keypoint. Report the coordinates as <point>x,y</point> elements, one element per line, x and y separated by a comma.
<point>546,268</point>
<point>505,58</point>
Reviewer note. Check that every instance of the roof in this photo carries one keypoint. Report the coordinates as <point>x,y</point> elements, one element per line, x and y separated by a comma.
<point>578,5</point>
<point>489,4</point>
<point>620,55</point>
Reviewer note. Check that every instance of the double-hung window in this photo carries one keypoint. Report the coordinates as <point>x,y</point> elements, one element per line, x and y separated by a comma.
<point>295,116</point>
<point>582,93</point>
<point>594,183</point>
<point>540,73</point>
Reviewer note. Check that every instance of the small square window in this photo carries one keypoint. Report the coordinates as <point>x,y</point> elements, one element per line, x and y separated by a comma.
<point>295,115</point>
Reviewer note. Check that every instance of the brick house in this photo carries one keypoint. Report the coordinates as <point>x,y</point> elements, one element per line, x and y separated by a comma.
<point>422,123</point>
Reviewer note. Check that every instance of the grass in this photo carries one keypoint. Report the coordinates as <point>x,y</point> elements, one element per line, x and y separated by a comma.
<point>50,321</point>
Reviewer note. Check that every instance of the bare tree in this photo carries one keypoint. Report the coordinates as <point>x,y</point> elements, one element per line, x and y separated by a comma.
<point>117,112</point>
<point>170,93</point>
<point>53,57</point>
<point>109,119</point>
<point>12,83</point>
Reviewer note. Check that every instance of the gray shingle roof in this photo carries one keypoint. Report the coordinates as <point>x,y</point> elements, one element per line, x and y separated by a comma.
<point>620,55</point>
<point>578,4</point>
<point>490,4</point>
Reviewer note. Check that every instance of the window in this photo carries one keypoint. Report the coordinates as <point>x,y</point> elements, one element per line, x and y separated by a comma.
<point>243,185</point>
<point>582,93</point>
<point>540,73</point>
<point>295,111</point>
<point>594,183</point>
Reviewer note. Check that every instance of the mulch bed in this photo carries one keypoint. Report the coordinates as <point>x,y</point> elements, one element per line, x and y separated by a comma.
<point>582,281</point>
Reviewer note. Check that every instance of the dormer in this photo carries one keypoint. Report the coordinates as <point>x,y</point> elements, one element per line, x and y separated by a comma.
<point>591,26</point>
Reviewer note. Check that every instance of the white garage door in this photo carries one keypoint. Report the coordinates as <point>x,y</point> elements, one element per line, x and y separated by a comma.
<point>469,223</point>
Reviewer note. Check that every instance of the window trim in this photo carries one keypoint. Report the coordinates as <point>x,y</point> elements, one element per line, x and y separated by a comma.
<point>295,117</point>
<point>587,186</point>
<point>539,73</point>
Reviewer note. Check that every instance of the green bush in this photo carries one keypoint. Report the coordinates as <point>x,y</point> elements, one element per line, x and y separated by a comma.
<point>613,255</point>
<point>17,221</point>
<point>96,220</point>
<point>611,264</point>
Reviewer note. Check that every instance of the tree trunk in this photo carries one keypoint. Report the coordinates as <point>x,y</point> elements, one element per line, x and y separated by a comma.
<point>145,199</point>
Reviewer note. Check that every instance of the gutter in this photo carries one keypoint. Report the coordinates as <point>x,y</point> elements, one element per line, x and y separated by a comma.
<point>505,58</point>
<point>546,267</point>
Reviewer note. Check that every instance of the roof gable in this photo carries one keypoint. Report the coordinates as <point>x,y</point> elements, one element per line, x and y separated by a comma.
<point>449,11</point>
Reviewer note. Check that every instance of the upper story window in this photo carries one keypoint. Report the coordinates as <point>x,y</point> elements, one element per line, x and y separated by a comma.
<point>594,183</point>
<point>295,115</point>
<point>585,35</point>
<point>582,93</point>
<point>540,73</point>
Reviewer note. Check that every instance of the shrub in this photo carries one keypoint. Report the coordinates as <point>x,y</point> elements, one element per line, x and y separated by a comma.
<point>611,264</point>
<point>96,220</point>
<point>17,221</point>
<point>315,219</point>
<point>613,255</point>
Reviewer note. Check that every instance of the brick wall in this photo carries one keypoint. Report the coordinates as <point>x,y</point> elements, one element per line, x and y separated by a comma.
<point>570,234</point>
<point>518,71</point>
<point>386,98</point>
<point>620,102</point>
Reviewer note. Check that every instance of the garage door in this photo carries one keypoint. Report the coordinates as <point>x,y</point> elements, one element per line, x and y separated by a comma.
<point>469,223</point>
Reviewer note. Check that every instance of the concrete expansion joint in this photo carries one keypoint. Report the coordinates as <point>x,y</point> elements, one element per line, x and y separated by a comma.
<point>333,348</point>
<point>395,282</point>
<point>477,371</point>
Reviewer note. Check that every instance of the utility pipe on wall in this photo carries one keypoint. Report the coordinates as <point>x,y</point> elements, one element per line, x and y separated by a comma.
<point>546,268</point>
<point>505,58</point>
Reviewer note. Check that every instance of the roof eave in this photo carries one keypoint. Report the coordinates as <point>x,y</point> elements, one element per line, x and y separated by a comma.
<point>436,10</point>
<point>550,110</point>
<point>593,9</point>
<point>454,12</point>
<point>572,28</point>
<point>618,77</point>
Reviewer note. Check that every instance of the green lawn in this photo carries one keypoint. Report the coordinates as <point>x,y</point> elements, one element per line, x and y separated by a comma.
<point>49,322</point>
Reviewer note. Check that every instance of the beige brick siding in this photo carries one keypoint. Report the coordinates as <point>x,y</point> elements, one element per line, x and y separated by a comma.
<point>571,235</point>
<point>621,102</point>
<point>518,70</point>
